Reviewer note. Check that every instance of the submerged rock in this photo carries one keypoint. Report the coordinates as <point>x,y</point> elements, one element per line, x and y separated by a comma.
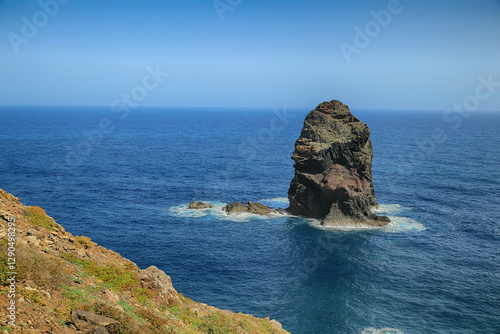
<point>254,208</point>
<point>200,205</point>
<point>333,169</point>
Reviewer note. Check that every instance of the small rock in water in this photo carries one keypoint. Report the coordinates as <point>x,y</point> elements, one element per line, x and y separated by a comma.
<point>254,208</point>
<point>200,205</point>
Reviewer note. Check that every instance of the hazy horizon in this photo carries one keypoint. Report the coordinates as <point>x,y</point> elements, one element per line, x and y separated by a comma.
<point>269,108</point>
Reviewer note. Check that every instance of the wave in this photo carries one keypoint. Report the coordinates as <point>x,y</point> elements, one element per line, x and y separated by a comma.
<point>397,224</point>
<point>182,211</point>
<point>276,203</point>
<point>389,209</point>
<point>401,224</point>
<point>386,330</point>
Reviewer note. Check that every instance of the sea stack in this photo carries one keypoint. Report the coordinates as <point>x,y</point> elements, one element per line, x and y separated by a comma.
<point>333,169</point>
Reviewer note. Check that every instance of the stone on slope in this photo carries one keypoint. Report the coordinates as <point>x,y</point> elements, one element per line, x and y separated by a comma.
<point>88,322</point>
<point>160,283</point>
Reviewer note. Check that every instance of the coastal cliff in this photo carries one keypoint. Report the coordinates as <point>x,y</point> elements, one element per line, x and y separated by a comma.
<point>69,284</point>
<point>333,169</point>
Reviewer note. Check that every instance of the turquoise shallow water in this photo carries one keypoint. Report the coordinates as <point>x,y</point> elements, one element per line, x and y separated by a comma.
<point>434,270</point>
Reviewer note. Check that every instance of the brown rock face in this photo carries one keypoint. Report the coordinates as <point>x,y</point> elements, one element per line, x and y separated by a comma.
<point>254,208</point>
<point>160,283</point>
<point>200,205</point>
<point>88,322</point>
<point>333,169</point>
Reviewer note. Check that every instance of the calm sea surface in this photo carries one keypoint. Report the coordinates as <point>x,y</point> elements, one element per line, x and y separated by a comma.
<point>126,180</point>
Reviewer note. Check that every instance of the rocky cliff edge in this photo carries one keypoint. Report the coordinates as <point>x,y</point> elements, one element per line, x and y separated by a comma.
<point>69,284</point>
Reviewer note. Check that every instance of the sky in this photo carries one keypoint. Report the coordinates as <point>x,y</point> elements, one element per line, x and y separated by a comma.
<point>391,54</point>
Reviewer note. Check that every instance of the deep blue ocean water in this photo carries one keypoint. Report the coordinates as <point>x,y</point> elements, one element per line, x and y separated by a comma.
<point>125,181</point>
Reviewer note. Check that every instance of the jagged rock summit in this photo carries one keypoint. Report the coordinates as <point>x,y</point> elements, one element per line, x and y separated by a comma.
<point>333,169</point>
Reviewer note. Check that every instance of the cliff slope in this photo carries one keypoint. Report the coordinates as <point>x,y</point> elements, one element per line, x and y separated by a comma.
<point>333,169</point>
<point>61,278</point>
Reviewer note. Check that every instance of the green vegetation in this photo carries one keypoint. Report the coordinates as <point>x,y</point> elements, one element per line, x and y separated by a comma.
<point>217,323</point>
<point>129,309</point>
<point>31,265</point>
<point>37,216</point>
<point>4,268</point>
<point>5,328</point>
<point>83,241</point>
<point>173,309</point>
<point>75,298</point>
<point>177,316</point>
<point>144,295</point>
<point>116,278</point>
<point>157,323</point>
<point>34,296</point>
<point>76,279</point>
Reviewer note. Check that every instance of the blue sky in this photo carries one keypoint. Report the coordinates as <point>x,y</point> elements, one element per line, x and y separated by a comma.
<point>426,55</point>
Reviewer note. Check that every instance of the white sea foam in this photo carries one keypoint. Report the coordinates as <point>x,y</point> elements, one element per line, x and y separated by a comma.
<point>386,330</point>
<point>277,200</point>
<point>401,224</point>
<point>389,209</point>
<point>397,224</point>
<point>217,212</point>
<point>276,203</point>
<point>347,226</point>
<point>183,210</point>
<point>245,217</point>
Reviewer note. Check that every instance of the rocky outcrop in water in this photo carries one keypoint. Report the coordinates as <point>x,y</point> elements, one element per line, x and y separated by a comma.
<point>333,169</point>
<point>253,208</point>
<point>200,206</point>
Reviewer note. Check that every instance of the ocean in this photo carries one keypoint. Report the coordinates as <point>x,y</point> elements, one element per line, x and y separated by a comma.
<point>125,180</point>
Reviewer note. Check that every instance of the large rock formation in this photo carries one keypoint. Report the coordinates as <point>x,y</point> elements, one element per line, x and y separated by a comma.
<point>333,169</point>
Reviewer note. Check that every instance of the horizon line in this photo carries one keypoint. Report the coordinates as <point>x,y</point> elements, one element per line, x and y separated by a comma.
<point>404,109</point>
